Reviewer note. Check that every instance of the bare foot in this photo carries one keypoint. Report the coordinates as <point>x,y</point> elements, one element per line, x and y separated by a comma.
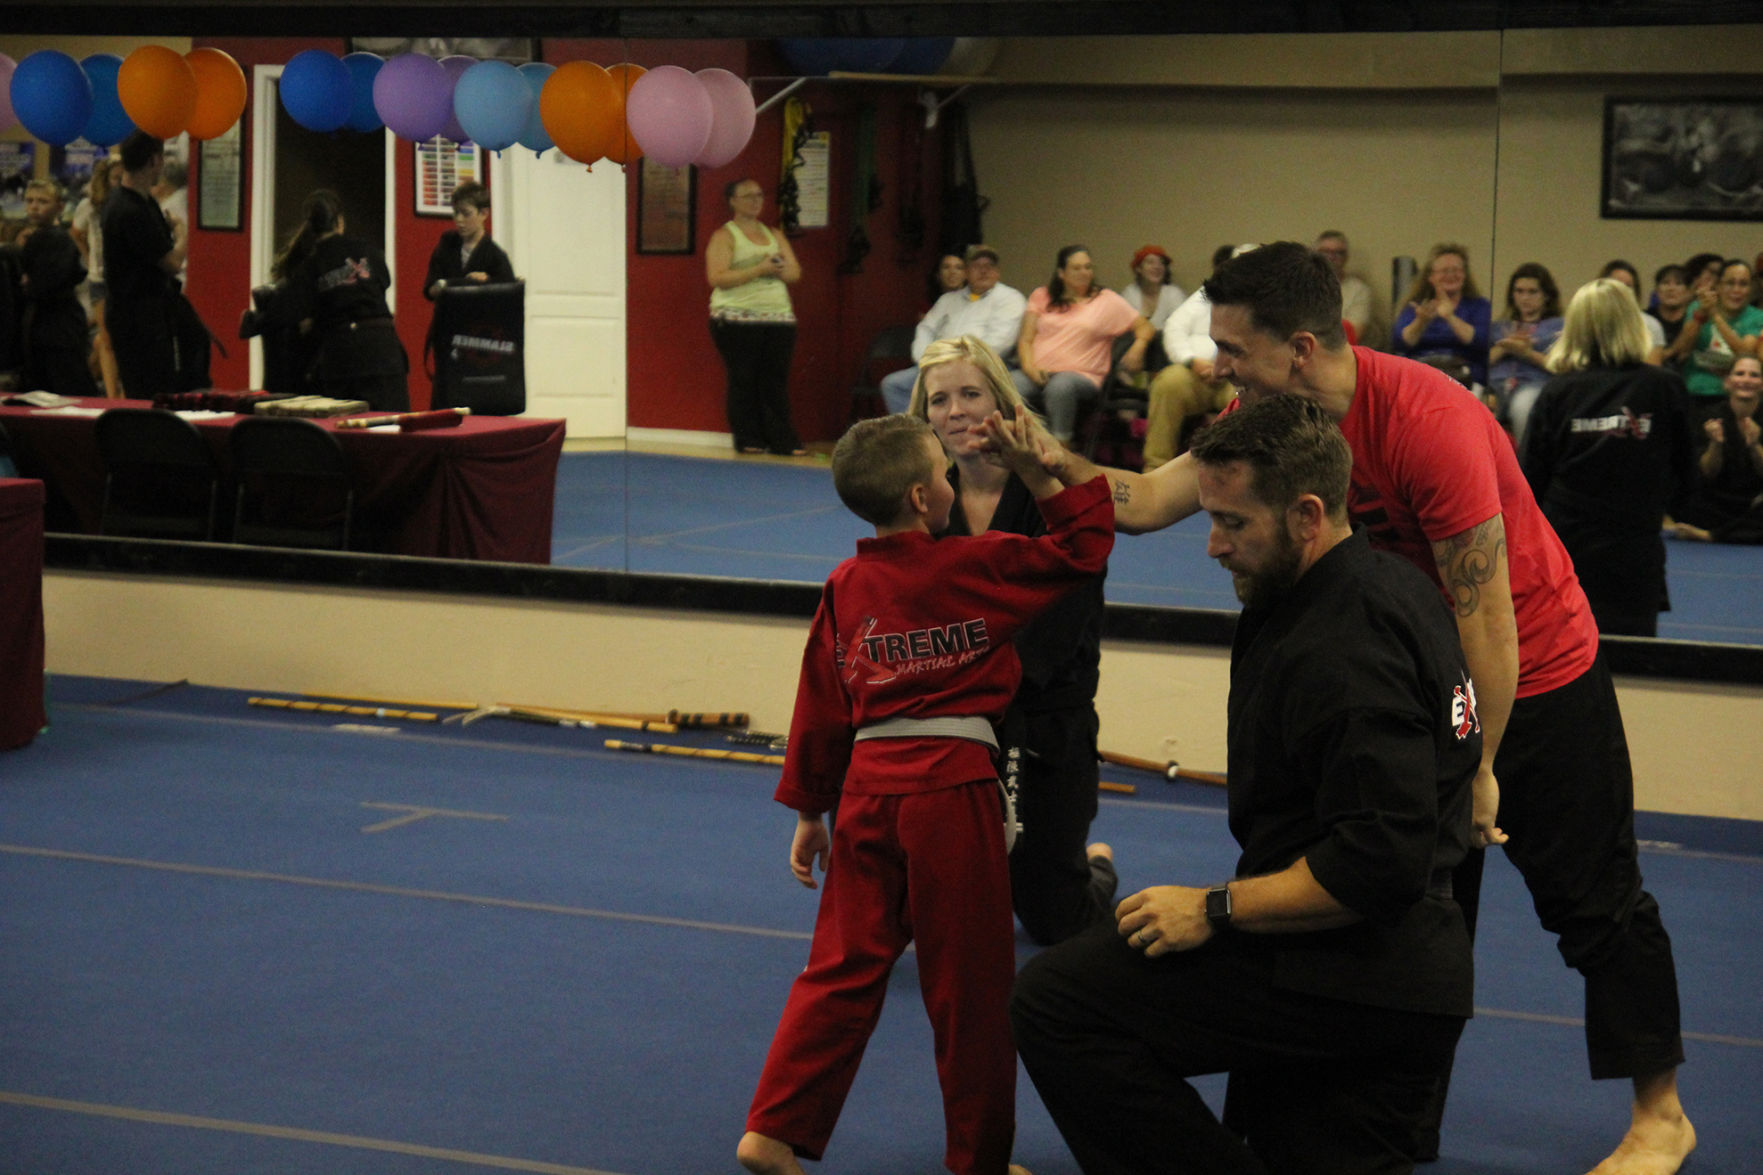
<point>1091,852</point>
<point>1659,1138</point>
<point>1684,530</point>
<point>767,1156</point>
<point>1016,1170</point>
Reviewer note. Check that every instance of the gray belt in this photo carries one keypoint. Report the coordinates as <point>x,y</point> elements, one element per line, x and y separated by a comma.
<point>970,727</point>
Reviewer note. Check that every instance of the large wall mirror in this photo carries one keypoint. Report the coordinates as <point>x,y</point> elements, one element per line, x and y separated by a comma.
<point>1193,136</point>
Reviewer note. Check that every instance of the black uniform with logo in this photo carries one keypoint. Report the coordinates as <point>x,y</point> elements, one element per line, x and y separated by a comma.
<point>341,287</point>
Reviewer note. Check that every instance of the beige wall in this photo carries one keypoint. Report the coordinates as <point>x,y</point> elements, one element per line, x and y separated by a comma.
<point>1694,746</point>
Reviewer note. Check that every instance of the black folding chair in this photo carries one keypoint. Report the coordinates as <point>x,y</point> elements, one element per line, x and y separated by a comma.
<point>890,349</point>
<point>1110,422</point>
<point>294,485</point>
<point>160,479</point>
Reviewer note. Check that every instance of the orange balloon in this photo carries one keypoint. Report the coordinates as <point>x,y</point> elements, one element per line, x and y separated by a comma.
<point>625,150</point>
<point>581,110</point>
<point>220,92</point>
<point>157,90</point>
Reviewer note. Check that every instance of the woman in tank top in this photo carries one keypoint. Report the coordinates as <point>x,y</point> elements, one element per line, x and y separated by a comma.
<point>752,323</point>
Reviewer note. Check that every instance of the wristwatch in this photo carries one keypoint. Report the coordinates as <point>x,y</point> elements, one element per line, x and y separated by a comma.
<point>1218,907</point>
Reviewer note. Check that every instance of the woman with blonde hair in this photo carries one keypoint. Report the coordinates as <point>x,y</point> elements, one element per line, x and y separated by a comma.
<point>1059,883</point>
<point>1607,451</point>
<point>1446,321</point>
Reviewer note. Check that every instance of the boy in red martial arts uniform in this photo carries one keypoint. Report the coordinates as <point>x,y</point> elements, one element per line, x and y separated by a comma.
<point>908,665</point>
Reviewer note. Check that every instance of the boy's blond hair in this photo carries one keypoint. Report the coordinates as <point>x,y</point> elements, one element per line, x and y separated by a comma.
<point>876,464</point>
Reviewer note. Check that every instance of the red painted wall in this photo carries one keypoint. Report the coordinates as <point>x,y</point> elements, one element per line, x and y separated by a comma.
<point>675,378</point>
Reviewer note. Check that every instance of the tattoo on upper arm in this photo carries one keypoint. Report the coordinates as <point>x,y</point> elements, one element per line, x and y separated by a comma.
<point>1470,560</point>
<point>1122,495</point>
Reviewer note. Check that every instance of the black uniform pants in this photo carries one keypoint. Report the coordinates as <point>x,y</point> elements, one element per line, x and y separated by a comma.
<point>1317,1086</point>
<point>757,358</point>
<point>1055,888</point>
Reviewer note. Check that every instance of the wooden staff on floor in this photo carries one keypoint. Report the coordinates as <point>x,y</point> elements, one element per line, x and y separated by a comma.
<point>1169,770</point>
<point>340,708</point>
<point>613,744</point>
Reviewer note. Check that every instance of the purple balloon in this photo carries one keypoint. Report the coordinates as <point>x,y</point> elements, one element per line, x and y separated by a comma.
<point>732,117</point>
<point>456,67</point>
<point>7,117</point>
<point>669,114</point>
<point>413,96</point>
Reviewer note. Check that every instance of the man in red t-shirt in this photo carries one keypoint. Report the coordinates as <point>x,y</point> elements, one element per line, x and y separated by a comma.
<point>1435,480</point>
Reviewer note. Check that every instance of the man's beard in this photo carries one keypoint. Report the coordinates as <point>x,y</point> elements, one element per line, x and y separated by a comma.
<point>1261,589</point>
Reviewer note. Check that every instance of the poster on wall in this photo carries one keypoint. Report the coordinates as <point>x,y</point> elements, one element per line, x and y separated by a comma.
<point>220,181</point>
<point>665,208</point>
<point>441,166</point>
<point>1683,159</point>
<point>71,166</point>
<point>814,180</point>
<point>16,162</point>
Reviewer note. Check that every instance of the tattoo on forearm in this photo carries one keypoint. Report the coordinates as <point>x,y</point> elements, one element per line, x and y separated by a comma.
<point>1122,495</point>
<point>1468,561</point>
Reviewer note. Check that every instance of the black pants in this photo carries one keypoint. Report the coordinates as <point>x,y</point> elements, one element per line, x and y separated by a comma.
<point>1055,888</point>
<point>1567,802</point>
<point>757,359</point>
<point>1317,1086</point>
<point>143,336</point>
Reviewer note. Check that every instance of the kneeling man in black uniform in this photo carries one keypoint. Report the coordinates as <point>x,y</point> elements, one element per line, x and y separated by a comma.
<point>1332,973</point>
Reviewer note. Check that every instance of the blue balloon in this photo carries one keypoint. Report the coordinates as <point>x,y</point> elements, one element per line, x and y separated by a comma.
<point>316,91</point>
<point>922,55</point>
<point>811,56</point>
<point>492,103</point>
<point>52,96</point>
<point>108,124</point>
<point>363,68</point>
<point>534,135</point>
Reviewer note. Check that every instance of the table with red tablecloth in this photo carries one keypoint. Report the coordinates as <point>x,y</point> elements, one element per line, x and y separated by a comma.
<point>483,490</point>
<point>21,611</point>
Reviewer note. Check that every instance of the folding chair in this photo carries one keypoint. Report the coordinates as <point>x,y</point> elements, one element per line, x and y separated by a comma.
<point>891,347</point>
<point>160,479</point>
<point>294,485</point>
<point>1121,404</point>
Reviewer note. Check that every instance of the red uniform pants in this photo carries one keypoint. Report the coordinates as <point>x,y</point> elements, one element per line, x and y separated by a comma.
<point>929,867</point>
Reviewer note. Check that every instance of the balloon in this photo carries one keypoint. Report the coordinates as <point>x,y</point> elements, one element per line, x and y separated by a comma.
<point>220,92</point>
<point>732,117</point>
<point>7,118</point>
<point>413,96</point>
<point>536,73</point>
<point>315,90</point>
<point>669,114</point>
<point>624,76</point>
<point>492,102</point>
<point>579,107</point>
<point>922,55</point>
<point>52,96</point>
<point>455,66</point>
<point>813,56</point>
<point>158,91</point>
<point>810,56</point>
<point>970,57</point>
<point>108,124</point>
<point>363,68</point>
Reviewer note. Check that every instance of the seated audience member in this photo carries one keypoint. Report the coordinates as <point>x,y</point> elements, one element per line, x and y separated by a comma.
<point>1356,305</point>
<point>1330,976</point>
<point>1153,292</point>
<point>1607,450</point>
<point>1727,503</point>
<point>1702,272</point>
<point>985,308</point>
<point>53,334</point>
<point>1670,307</point>
<point>949,275</point>
<point>1723,325</point>
<point>1522,338</point>
<point>1629,276</point>
<point>1186,388</point>
<point>1445,323</point>
<point>1065,349</point>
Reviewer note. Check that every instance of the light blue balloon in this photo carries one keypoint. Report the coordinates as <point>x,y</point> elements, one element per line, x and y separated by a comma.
<point>316,91</point>
<point>51,96</point>
<point>363,68</point>
<point>492,103</point>
<point>534,134</point>
<point>108,124</point>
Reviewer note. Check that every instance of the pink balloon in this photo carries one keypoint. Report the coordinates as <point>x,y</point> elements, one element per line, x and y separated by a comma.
<point>7,118</point>
<point>669,114</point>
<point>455,66</point>
<point>732,117</point>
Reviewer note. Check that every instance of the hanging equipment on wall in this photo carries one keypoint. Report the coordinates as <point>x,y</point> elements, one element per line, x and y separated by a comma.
<point>963,207</point>
<point>789,195</point>
<point>865,193</point>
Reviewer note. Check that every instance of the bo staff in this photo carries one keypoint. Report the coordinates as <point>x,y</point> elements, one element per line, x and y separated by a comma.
<point>694,721</point>
<point>1125,789</point>
<point>410,421</point>
<point>1170,770</point>
<point>613,744</point>
<point>406,702</point>
<point>590,718</point>
<point>340,708</point>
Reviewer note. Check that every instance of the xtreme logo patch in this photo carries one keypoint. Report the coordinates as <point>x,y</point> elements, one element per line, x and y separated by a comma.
<point>887,655</point>
<point>1463,720</point>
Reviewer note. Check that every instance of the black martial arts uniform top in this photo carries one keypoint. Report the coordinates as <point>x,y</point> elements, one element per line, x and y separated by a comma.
<point>447,263</point>
<point>1353,743</point>
<point>341,287</point>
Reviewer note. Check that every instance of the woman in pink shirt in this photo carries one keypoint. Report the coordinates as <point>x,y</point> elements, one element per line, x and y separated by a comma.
<point>1066,345</point>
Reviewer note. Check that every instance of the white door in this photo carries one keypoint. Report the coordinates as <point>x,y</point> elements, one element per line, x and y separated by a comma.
<point>563,228</point>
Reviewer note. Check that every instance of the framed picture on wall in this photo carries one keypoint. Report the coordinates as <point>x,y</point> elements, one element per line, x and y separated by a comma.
<point>1683,159</point>
<point>220,181</point>
<point>666,208</point>
<point>441,166</point>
